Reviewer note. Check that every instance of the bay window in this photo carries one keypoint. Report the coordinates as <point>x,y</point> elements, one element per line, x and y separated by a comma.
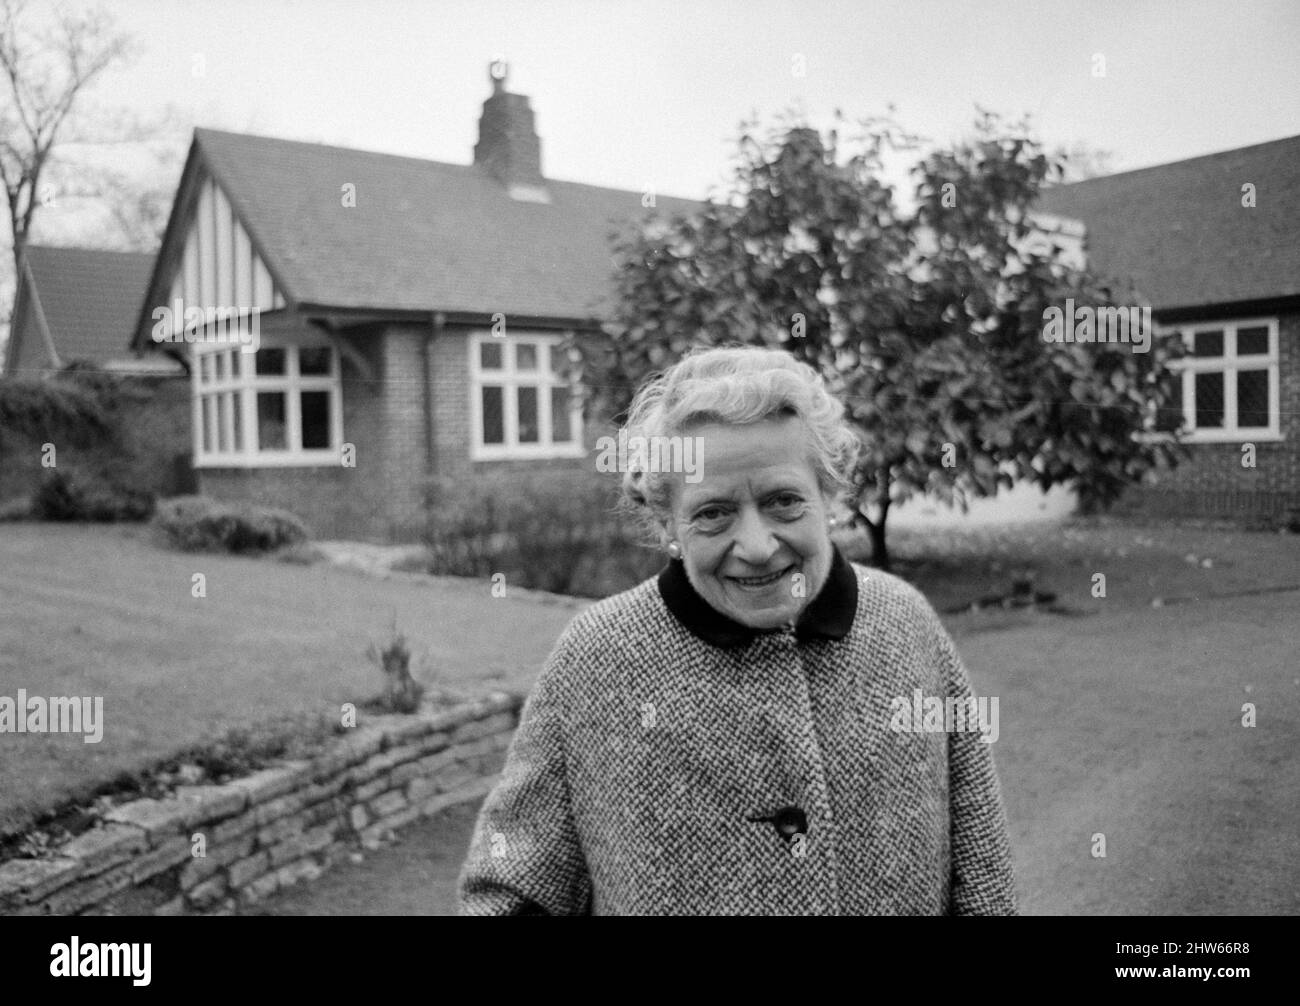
<point>280,406</point>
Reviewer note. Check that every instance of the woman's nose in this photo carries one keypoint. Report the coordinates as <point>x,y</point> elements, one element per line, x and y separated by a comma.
<point>754,543</point>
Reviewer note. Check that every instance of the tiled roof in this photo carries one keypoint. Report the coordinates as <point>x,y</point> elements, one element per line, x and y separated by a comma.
<point>1181,233</point>
<point>91,298</point>
<point>423,235</point>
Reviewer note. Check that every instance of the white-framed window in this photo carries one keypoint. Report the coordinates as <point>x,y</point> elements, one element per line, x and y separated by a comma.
<point>1230,380</point>
<point>279,407</point>
<point>520,406</point>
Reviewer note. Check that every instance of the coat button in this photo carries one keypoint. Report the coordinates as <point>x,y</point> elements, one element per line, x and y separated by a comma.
<point>789,821</point>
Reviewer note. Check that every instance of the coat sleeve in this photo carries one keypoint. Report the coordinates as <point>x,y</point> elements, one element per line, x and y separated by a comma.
<point>525,857</point>
<point>983,879</point>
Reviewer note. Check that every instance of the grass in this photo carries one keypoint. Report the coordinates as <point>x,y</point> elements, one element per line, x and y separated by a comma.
<point>101,611</point>
<point>1141,561</point>
<point>1124,721</point>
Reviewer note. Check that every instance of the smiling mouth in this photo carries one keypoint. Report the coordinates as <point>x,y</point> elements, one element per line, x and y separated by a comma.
<point>760,581</point>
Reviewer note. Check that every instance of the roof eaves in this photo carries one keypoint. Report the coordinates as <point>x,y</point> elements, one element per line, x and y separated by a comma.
<point>167,252</point>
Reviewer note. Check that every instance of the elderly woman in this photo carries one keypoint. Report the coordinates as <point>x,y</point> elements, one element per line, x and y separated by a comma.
<point>725,738</point>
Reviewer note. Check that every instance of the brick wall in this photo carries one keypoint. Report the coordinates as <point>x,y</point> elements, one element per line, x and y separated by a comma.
<point>1213,482</point>
<point>335,502</point>
<point>384,417</point>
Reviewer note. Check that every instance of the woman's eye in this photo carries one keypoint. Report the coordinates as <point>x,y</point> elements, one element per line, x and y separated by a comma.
<point>712,513</point>
<point>787,502</point>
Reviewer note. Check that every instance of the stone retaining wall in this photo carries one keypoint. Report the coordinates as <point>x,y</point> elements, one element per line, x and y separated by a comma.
<point>215,849</point>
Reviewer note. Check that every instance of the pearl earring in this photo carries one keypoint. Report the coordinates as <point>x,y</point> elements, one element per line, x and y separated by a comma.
<point>674,550</point>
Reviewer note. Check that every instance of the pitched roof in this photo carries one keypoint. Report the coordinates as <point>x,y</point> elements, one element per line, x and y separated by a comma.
<point>423,235</point>
<point>1181,233</point>
<point>90,298</point>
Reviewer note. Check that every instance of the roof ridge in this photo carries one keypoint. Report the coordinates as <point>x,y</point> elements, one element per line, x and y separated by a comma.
<point>1177,163</point>
<point>468,168</point>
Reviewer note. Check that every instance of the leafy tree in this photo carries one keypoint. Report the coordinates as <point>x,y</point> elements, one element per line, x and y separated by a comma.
<point>927,321</point>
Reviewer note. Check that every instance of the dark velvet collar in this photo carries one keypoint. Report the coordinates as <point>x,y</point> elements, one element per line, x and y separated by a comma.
<point>829,615</point>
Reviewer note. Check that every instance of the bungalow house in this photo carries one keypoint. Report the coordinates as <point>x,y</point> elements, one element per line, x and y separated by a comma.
<point>379,318</point>
<point>359,321</point>
<point>73,306</point>
<point>1213,245</point>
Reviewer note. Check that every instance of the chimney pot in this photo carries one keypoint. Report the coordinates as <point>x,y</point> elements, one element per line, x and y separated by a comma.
<point>508,147</point>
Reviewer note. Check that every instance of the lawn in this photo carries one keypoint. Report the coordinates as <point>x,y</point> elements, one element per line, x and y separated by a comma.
<point>1117,717</point>
<point>91,610</point>
<point>1142,562</point>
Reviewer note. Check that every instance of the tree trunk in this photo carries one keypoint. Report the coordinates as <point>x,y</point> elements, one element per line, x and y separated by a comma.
<point>879,551</point>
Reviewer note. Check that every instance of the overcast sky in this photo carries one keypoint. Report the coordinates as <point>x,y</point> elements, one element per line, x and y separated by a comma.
<point>634,94</point>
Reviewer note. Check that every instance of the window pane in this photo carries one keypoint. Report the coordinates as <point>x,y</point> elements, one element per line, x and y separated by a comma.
<point>527,415</point>
<point>271,421</point>
<point>494,425</point>
<point>1208,343</point>
<point>489,355</point>
<point>1252,341</point>
<point>223,414</point>
<point>315,419</point>
<point>1209,401</point>
<point>229,369</point>
<point>207,368</point>
<point>314,361</point>
<point>209,423</point>
<point>270,361</point>
<point>237,410</point>
<point>526,356</point>
<point>1252,397</point>
<point>561,431</point>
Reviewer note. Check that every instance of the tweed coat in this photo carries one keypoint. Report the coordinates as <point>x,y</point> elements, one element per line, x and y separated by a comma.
<point>672,761</point>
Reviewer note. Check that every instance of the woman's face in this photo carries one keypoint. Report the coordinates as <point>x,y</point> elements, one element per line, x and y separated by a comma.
<point>753,529</point>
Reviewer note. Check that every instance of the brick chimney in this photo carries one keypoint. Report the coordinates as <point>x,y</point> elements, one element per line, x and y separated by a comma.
<point>508,147</point>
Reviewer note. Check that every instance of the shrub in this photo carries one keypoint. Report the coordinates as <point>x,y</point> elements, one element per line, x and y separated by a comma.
<point>200,524</point>
<point>60,497</point>
<point>550,529</point>
<point>402,693</point>
<point>64,408</point>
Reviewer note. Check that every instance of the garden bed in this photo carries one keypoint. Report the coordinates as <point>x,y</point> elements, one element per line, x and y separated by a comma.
<point>198,839</point>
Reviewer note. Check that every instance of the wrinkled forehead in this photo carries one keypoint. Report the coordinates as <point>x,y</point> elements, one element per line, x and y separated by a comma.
<point>747,460</point>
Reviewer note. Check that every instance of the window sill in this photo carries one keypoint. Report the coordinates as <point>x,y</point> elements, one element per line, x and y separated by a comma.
<point>527,453</point>
<point>308,459</point>
<point>1233,437</point>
